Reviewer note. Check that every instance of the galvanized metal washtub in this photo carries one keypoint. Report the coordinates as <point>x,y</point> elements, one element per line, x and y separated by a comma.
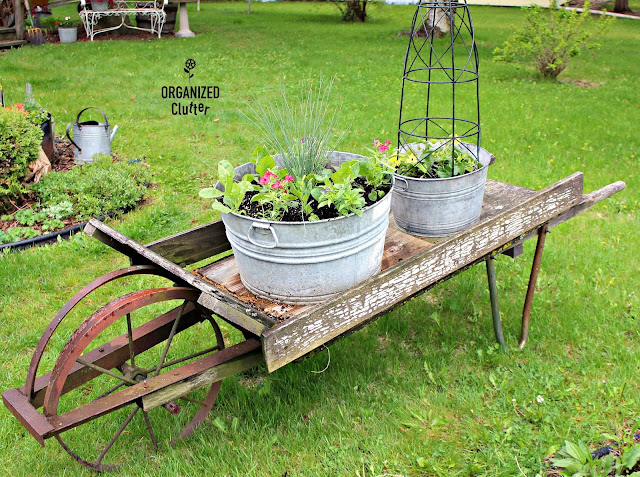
<point>307,262</point>
<point>440,207</point>
<point>90,137</point>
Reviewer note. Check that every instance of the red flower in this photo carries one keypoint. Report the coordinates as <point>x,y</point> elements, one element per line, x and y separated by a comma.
<point>19,106</point>
<point>57,22</point>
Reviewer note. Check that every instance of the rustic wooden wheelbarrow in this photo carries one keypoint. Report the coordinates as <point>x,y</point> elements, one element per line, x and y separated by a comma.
<point>274,334</point>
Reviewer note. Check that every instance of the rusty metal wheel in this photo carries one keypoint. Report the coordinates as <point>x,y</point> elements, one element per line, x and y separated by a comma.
<point>99,367</point>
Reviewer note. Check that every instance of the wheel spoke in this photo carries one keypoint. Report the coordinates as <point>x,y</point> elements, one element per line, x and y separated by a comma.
<point>105,371</point>
<point>150,429</point>
<point>185,398</point>
<point>113,389</point>
<point>130,336</point>
<point>170,338</point>
<point>180,360</point>
<point>117,434</point>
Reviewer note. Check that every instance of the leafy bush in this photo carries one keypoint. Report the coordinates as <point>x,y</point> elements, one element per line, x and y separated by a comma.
<point>550,39</point>
<point>20,143</point>
<point>93,189</point>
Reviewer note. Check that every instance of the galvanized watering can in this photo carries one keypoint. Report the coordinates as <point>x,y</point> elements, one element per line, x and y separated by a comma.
<point>90,137</point>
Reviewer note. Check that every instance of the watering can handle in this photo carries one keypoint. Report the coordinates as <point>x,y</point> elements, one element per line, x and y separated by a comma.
<point>72,141</point>
<point>93,107</point>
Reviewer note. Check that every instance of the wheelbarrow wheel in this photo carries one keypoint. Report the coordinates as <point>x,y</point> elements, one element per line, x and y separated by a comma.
<point>90,372</point>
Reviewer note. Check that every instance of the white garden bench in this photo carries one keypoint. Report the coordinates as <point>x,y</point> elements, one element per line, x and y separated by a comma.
<point>154,9</point>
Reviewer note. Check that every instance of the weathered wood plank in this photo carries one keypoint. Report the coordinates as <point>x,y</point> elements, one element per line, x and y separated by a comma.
<point>193,245</point>
<point>197,381</point>
<point>229,313</point>
<point>292,339</point>
<point>140,254</point>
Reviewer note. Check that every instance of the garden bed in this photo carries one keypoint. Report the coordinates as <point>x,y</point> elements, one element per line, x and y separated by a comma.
<point>66,198</point>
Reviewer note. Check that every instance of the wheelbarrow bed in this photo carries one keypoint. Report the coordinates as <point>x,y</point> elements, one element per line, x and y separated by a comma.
<point>411,265</point>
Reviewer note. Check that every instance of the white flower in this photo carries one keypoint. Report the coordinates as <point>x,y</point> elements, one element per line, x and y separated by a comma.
<point>539,398</point>
<point>67,18</point>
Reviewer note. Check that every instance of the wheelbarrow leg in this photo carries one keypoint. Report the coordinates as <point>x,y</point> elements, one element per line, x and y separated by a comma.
<point>493,294</point>
<point>535,268</point>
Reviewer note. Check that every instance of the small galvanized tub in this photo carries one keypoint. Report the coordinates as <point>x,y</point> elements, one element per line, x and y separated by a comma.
<point>440,207</point>
<point>90,137</point>
<point>307,262</point>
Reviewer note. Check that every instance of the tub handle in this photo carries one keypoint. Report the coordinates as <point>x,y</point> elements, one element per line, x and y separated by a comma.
<point>406,184</point>
<point>258,225</point>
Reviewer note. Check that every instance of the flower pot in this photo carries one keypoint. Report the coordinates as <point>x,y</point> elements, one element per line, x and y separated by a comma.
<point>48,137</point>
<point>440,207</point>
<point>99,6</point>
<point>68,35</point>
<point>307,262</point>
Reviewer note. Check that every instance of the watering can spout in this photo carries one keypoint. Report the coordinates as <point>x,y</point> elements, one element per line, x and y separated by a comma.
<point>113,133</point>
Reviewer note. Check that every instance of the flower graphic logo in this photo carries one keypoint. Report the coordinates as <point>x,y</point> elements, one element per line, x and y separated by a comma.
<point>188,66</point>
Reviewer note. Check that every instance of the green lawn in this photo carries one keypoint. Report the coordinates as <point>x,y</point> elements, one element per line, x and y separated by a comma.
<point>423,391</point>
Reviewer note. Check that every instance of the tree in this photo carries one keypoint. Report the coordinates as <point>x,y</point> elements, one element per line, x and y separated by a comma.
<point>621,6</point>
<point>352,10</point>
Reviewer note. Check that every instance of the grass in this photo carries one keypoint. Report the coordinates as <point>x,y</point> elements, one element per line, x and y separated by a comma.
<point>423,391</point>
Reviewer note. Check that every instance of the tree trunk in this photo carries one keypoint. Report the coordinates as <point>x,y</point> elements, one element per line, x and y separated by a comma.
<point>621,6</point>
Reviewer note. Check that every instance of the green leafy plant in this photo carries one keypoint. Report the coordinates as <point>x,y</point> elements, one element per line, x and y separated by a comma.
<point>67,22</point>
<point>276,191</point>
<point>550,39</point>
<point>433,160</point>
<point>94,189</point>
<point>303,135</point>
<point>20,143</point>
<point>29,216</point>
<point>37,114</point>
<point>575,460</point>
<point>16,234</point>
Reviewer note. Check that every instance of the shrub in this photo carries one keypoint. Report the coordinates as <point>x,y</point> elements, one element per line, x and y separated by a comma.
<point>550,40</point>
<point>94,189</point>
<point>20,143</point>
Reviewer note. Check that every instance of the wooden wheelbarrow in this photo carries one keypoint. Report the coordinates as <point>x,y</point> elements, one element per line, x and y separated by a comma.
<point>146,368</point>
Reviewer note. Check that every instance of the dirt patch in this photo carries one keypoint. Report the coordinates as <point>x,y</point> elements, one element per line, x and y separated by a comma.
<point>586,84</point>
<point>122,33</point>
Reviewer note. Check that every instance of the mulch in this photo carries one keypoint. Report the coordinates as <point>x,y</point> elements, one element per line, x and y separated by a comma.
<point>600,5</point>
<point>122,33</point>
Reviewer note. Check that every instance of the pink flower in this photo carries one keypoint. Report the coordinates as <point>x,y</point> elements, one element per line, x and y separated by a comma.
<point>263,180</point>
<point>288,178</point>
<point>270,174</point>
<point>381,147</point>
<point>276,185</point>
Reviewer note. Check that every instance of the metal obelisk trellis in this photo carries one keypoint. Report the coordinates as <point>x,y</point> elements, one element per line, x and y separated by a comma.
<point>440,100</point>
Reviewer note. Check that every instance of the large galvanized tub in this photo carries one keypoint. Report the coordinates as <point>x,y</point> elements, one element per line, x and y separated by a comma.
<point>307,262</point>
<point>440,207</point>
